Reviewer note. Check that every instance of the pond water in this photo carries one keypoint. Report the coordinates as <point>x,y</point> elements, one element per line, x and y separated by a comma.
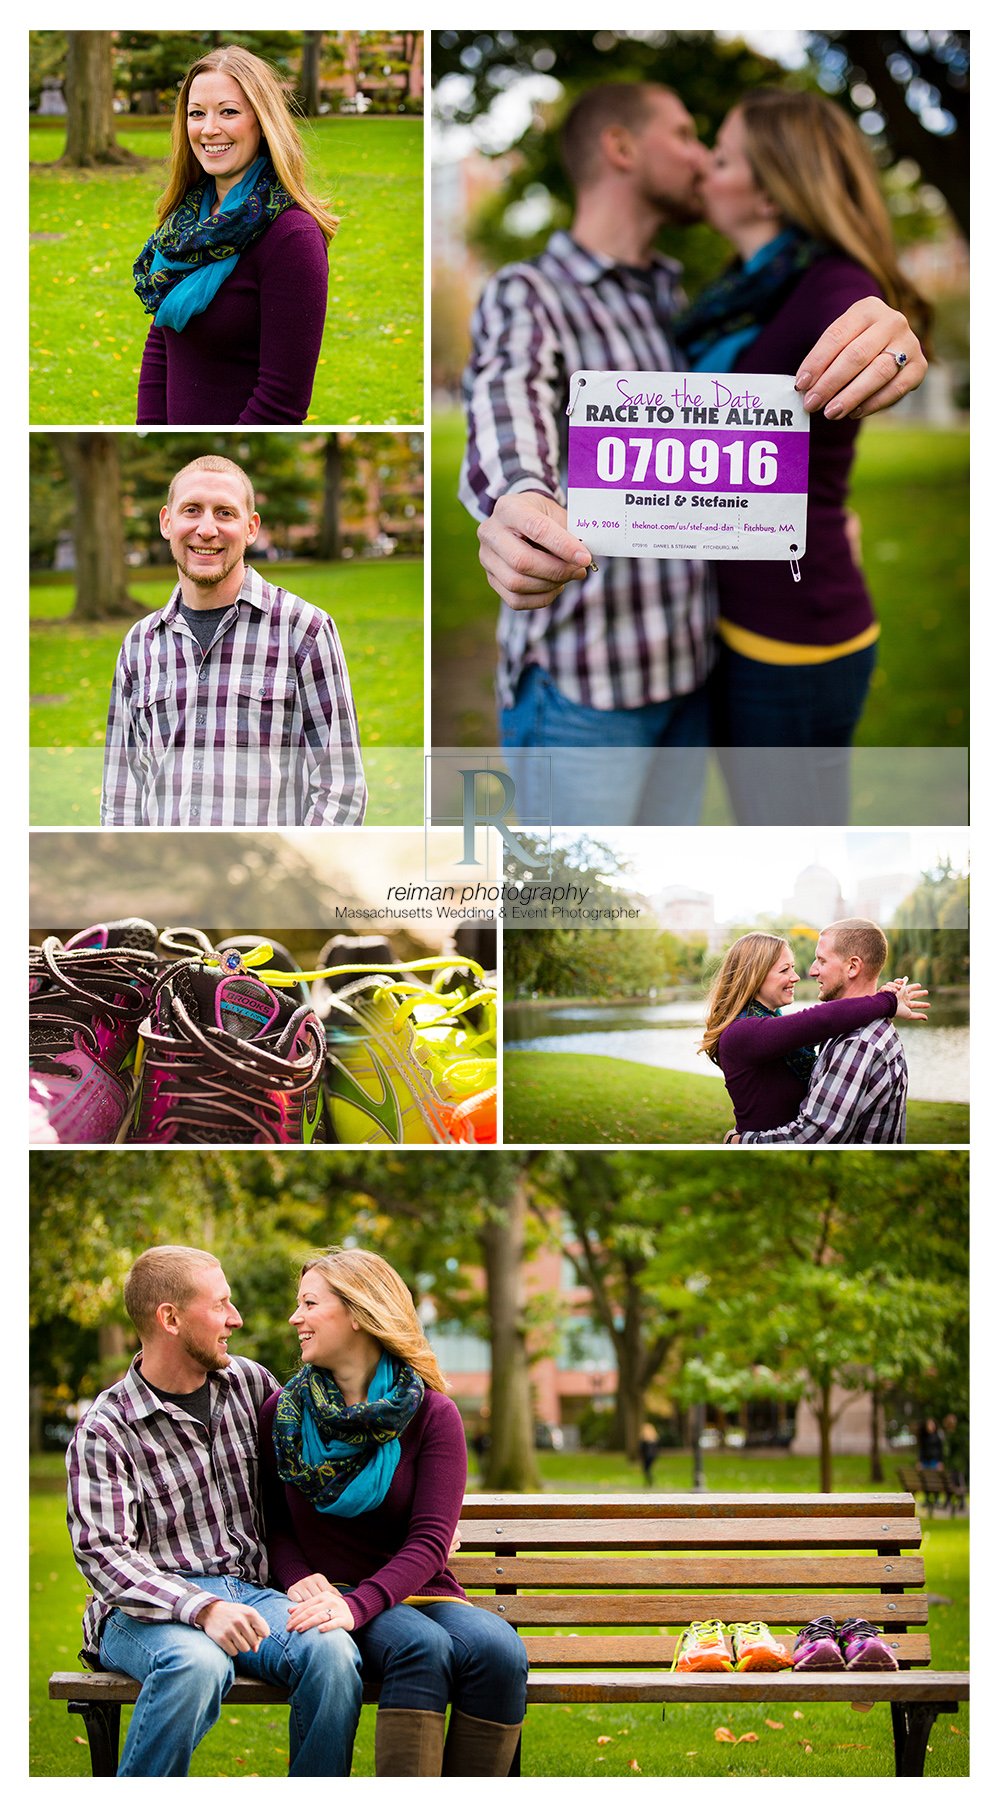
<point>667,1035</point>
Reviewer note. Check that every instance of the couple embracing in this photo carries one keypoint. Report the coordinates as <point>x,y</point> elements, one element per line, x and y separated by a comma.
<point>300,1535</point>
<point>852,1088</point>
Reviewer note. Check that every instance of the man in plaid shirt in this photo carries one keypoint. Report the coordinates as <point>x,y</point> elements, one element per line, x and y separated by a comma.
<point>165,1521</point>
<point>231,706</point>
<point>857,1092</point>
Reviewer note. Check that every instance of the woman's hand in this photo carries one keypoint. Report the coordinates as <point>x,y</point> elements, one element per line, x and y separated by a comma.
<point>853,368</point>
<point>909,999</point>
<point>327,1611</point>
<point>315,1584</point>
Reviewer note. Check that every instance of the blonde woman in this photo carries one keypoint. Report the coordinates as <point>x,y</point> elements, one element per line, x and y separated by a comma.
<point>793,185</point>
<point>235,274</point>
<point>766,1058</point>
<point>364,1467</point>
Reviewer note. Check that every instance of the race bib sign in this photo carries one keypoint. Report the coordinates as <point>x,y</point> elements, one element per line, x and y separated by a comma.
<point>688,465</point>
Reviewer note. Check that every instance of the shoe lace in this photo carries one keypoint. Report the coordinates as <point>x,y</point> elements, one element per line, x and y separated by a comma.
<point>78,985</point>
<point>859,1629</point>
<point>822,1627</point>
<point>199,1078</point>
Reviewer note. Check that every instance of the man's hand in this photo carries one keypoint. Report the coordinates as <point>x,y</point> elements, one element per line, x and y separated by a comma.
<point>526,552</point>
<point>235,1627</point>
<point>316,1584</point>
<point>327,1611</point>
<point>852,369</point>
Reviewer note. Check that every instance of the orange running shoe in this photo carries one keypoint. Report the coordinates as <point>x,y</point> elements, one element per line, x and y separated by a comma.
<point>756,1648</point>
<point>703,1647</point>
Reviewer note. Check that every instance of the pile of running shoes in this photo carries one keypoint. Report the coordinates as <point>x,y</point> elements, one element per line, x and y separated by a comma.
<point>145,1037</point>
<point>709,1645</point>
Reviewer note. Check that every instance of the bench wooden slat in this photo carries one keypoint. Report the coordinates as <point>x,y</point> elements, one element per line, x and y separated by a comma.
<point>628,1649</point>
<point>681,1534</point>
<point>678,1610</point>
<point>689,1572</point>
<point>689,1506</point>
<point>637,1685</point>
<point>664,1685</point>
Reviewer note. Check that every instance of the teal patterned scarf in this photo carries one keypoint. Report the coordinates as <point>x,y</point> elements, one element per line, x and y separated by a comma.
<point>181,268</point>
<point>800,1060</point>
<point>343,1458</point>
<point>746,295</point>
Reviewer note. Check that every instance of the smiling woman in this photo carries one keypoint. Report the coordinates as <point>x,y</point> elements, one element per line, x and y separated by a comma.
<point>235,274</point>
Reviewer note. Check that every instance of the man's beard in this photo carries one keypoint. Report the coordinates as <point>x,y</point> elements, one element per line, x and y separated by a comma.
<point>198,573</point>
<point>829,992</point>
<point>208,1356</point>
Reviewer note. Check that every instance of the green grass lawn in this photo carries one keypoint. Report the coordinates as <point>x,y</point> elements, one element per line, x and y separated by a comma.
<point>378,607</point>
<point>87,328</point>
<point>582,1740</point>
<point>562,1098</point>
<point>911,491</point>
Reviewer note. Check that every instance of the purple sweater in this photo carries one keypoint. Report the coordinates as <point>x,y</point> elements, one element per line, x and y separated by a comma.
<point>764,1090</point>
<point>399,1549</point>
<point>251,355</point>
<point>831,603</point>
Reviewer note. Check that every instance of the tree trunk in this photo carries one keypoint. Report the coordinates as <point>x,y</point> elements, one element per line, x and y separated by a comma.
<point>312,50</point>
<point>510,1461</point>
<point>91,462</point>
<point>876,1471</point>
<point>824,1419</point>
<point>329,533</point>
<point>352,61</point>
<point>90,124</point>
<point>415,69</point>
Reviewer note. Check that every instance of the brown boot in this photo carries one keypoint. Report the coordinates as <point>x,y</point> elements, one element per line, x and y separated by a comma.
<point>409,1742</point>
<point>478,1748</point>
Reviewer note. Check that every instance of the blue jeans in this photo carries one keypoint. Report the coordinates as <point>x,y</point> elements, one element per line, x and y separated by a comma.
<point>644,765</point>
<point>784,735</point>
<point>185,1676</point>
<point>441,1651</point>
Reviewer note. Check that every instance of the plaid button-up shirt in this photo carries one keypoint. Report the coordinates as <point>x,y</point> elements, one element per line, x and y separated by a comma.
<point>857,1093</point>
<point>258,730</point>
<point>638,630</point>
<point>155,1500</point>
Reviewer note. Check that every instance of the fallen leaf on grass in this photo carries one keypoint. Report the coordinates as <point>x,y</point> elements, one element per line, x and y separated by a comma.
<point>796,1715</point>
<point>636,1766</point>
<point>777,1726</point>
<point>957,1730</point>
<point>604,1739</point>
<point>693,1754</point>
<point>806,1747</point>
<point>852,1745</point>
<point>77,1740</point>
<point>724,1736</point>
<point>748,1739</point>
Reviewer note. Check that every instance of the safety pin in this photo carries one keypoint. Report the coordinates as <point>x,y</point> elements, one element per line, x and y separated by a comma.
<point>581,383</point>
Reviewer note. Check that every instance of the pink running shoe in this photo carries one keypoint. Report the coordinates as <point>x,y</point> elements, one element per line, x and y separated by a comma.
<point>86,999</point>
<point>226,1059</point>
<point>816,1647</point>
<point>864,1647</point>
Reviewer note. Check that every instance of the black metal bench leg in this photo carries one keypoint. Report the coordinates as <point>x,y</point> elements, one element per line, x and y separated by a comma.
<point>911,1728</point>
<point>515,1763</point>
<point>102,1720</point>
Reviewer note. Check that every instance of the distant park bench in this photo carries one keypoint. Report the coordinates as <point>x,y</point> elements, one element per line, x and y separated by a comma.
<point>935,1485</point>
<point>585,1563</point>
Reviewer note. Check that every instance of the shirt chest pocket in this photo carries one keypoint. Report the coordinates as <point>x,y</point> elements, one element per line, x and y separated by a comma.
<point>264,708</point>
<point>156,715</point>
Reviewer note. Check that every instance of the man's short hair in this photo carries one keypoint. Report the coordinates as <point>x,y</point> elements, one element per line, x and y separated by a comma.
<point>166,1273</point>
<point>611,104</point>
<point>855,938</point>
<point>213,461</point>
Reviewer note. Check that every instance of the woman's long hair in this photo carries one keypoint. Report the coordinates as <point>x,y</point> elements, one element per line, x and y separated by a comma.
<point>745,966</point>
<point>813,162</point>
<point>380,1301</point>
<point>264,94</point>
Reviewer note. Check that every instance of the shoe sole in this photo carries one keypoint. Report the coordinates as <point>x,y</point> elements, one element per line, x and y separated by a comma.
<point>876,1660</point>
<point>708,1662</point>
<point>765,1660</point>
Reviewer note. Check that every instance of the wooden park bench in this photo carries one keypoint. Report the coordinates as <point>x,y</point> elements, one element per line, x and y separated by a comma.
<point>569,1571</point>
